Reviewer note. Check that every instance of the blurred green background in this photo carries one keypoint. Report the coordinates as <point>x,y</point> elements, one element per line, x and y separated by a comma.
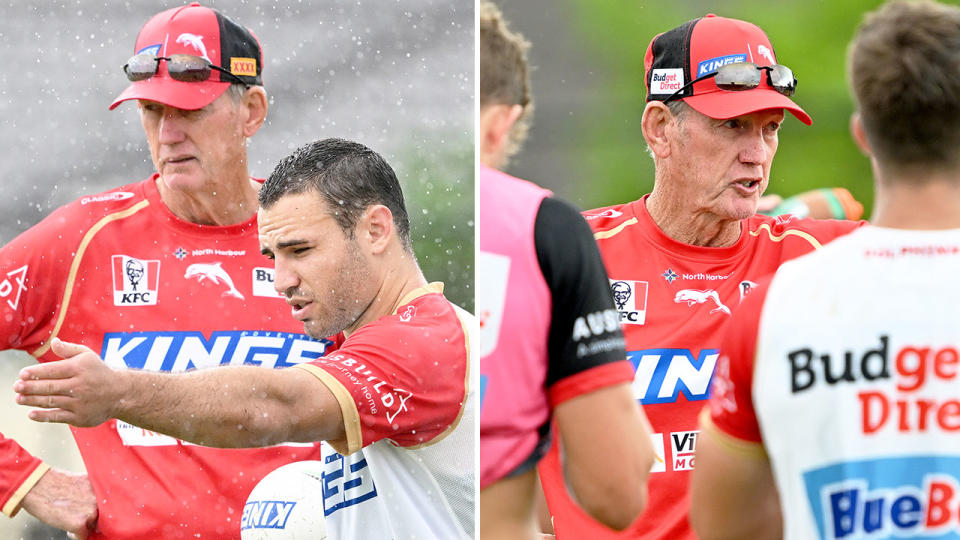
<point>588,86</point>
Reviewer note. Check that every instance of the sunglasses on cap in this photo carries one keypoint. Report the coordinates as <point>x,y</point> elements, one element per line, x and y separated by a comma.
<point>746,76</point>
<point>181,67</point>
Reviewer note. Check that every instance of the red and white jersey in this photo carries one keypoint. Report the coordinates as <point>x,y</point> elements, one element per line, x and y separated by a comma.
<point>119,273</point>
<point>844,369</point>
<point>406,467</point>
<point>674,299</point>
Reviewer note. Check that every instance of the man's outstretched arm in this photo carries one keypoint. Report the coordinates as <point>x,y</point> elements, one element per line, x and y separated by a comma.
<point>228,407</point>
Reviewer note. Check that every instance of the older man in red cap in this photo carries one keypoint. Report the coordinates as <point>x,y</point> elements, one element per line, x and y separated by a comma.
<point>681,258</point>
<point>162,275</point>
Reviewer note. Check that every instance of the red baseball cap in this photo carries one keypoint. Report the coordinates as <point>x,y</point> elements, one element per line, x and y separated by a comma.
<point>699,47</point>
<point>197,31</point>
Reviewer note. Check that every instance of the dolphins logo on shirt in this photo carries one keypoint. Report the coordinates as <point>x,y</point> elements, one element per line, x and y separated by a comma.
<point>693,296</point>
<point>215,273</point>
<point>194,41</point>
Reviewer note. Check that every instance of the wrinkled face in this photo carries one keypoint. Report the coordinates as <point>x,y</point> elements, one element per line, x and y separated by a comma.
<point>725,164</point>
<point>322,273</point>
<point>193,150</point>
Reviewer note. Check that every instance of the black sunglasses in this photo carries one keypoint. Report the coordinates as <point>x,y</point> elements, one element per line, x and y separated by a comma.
<point>181,67</point>
<point>746,76</point>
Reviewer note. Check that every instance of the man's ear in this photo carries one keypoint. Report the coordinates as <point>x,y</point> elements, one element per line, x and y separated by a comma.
<point>859,135</point>
<point>255,102</point>
<point>376,228</point>
<point>657,117</point>
<point>495,124</point>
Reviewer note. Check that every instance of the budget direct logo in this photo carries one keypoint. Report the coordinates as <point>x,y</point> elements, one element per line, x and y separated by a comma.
<point>666,81</point>
<point>910,406</point>
<point>896,497</point>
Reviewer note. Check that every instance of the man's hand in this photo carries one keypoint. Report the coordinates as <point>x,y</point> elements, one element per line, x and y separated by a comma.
<point>78,390</point>
<point>63,500</point>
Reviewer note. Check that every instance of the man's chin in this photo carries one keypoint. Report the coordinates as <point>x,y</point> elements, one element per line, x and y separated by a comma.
<point>180,179</point>
<point>317,331</point>
<point>312,330</point>
<point>742,208</point>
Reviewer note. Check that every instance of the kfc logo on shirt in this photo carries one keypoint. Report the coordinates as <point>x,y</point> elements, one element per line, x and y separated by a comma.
<point>135,281</point>
<point>631,300</point>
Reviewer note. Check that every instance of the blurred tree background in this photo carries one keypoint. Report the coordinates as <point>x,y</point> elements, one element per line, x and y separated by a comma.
<point>588,85</point>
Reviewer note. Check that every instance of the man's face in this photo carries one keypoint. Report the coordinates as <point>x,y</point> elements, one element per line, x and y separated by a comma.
<point>323,273</point>
<point>725,164</point>
<point>193,150</point>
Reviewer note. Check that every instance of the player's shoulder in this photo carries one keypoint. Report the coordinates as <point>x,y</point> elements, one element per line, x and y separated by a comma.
<point>423,311</point>
<point>91,208</point>
<point>76,218</point>
<point>496,182</point>
<point>609,217</point>
<point>815,232</point>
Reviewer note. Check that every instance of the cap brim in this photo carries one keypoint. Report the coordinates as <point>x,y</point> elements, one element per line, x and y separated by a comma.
<point>726,104</point>
<point>182,95</point>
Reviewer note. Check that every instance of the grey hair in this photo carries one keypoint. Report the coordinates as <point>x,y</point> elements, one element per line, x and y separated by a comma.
<point>236,91</point>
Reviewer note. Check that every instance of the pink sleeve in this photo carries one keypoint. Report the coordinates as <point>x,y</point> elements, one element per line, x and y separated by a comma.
<point>731,402</point>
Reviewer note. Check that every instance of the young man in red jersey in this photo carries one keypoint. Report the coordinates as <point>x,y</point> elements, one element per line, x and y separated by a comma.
<point>681,258</point>
<point>394,400</point>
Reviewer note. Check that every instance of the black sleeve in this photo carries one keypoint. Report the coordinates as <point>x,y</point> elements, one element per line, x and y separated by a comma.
<point>585,329</point>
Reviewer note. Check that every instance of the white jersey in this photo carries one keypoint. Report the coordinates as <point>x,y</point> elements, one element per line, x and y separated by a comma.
<point>406,468</point>
<point>855,387</point>
<point>409,489</point>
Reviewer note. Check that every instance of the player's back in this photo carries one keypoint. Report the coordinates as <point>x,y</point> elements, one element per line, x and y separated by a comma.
<point>856,386</point>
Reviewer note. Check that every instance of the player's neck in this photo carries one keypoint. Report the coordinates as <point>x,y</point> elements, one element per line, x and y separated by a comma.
<point>688,225</point>
<point>930,203</point>
<point>400,276</point>
<point>220,205</point>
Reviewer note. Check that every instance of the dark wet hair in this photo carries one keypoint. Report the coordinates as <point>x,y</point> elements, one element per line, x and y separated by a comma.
<point>348,176</point>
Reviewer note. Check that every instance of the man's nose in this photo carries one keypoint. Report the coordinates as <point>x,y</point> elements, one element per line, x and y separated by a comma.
<point>171,128</point>
<point>284,278</point>
<point>755,149</point>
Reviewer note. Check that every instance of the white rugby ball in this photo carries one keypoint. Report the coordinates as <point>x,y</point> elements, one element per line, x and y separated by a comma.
<point>286,504</point>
